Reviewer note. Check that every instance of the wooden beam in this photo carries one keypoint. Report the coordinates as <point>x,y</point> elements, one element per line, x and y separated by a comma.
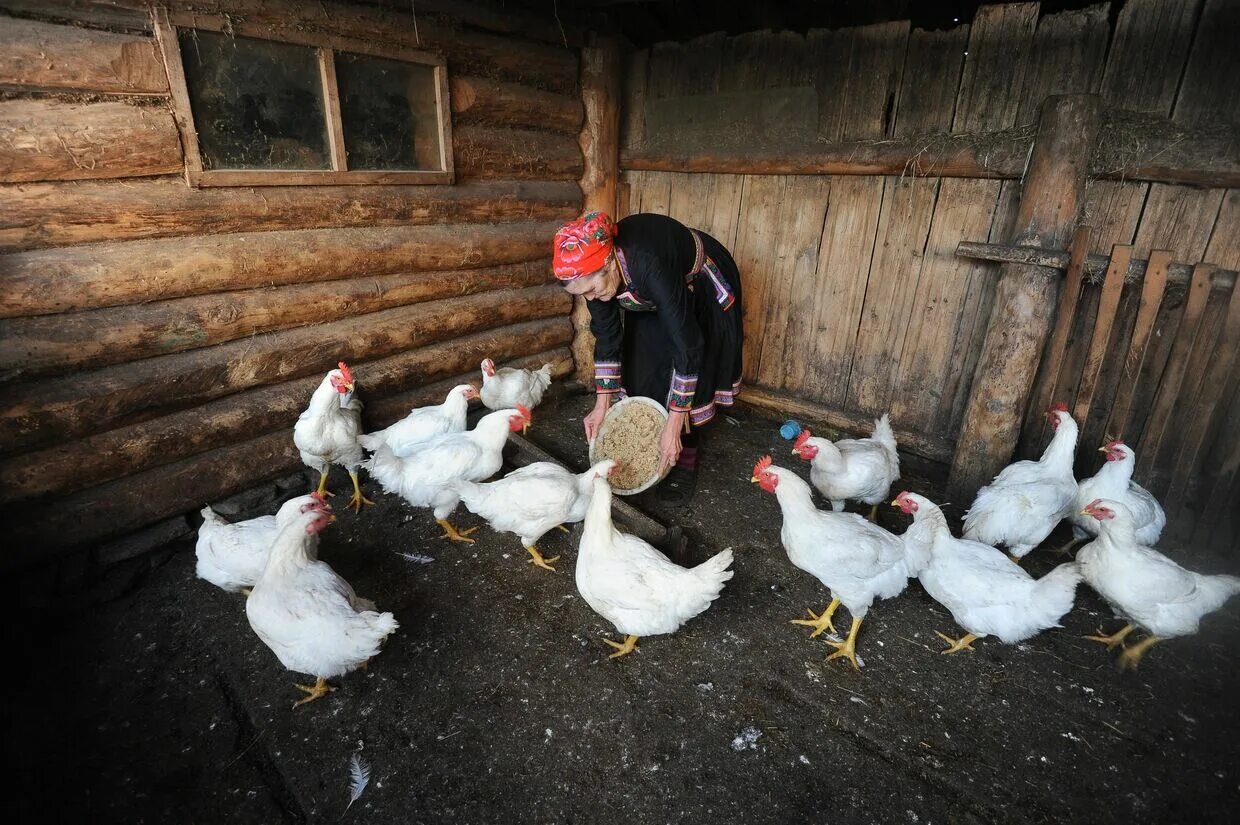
<point>38,215</point>
<point>46,139</point>
<point>48,281</point>
<point>496,103</point>
<point>1020,320</point>
<point>1095,265</point>
<point>91,402</point>
<point>523,154</point>
<point>74,465</point>
<point>41,55</point>
<point>601,71</point>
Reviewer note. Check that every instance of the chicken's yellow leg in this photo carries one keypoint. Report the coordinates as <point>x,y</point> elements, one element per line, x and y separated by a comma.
<point>562,527</point>
<point>358,499</point>
<point>965,642</point>
<point>537,559</point>
<point>317,691</point>
<point>630,644</point>
<point>821,622</point>
<point>1131,657</point>
<point>323,484</point>
<point>848,647</point>
<point>1115,639</point>
<point>1015,559</point>
<point>874,514</point>
<point>451,534</point>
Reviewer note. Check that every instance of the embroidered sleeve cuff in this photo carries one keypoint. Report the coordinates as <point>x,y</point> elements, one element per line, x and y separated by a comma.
<point>684,387</point>
<point>606,376</point>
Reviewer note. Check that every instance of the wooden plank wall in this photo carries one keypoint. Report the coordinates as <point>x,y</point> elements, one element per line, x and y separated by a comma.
<point>157,342</point>
<point>856,301</point>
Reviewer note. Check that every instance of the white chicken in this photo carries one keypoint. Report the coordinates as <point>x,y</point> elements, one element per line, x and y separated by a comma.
<point>232,556</point>
<point>508,387</point>
<point>1114,482</point>
<point>424,423</point>
<point>428,477</point>
<point>987,593</point>
<point>856,560</point>
<point>326,432</point>
<point>1028,499</point>
<point>532,501</point>
<point>633,585</point>
<point>309,616</point>
<point>862,469</point>
<point>1144,587</point>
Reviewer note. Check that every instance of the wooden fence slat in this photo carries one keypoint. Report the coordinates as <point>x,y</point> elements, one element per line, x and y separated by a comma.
<point>1112,287</point>
<point>1152,288</point>
<point>1173,375</point>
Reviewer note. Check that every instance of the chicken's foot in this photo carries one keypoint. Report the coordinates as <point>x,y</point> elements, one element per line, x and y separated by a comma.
<point>1015,559</point>
<point>451,534</point>
<point>536,559</point>
<point>848,648</point>
<point>316,691</point>
<point>820,622</point>
<point>629,645</point>
<point>1115,639</point>
<point>323,485</point>
<point>358,499</point>
<point>965,642</point>
<point>1131,657</point>
<point>246,591</point>
<point>565,528</point>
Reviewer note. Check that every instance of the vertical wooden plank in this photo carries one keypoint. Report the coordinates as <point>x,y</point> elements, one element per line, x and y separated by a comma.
<point>1103,323</point>
<point>931,81</point>
<point>1056,347</point>
<point>1148,53</point>
<point>830,53</point>
<point>874,78</point>
<point>1112,212</point>
<point>1173,375</point>
<point>1178,218</point>
<point>633,112</point>
<point>170,50</point>
<point>1224,247</point>
<point>1152,288</point>
<point>1220,490</point>
<point>331,101</point>
<point>1069,51</point>
<point>760,196</point>
<point>1209,92</point>
<point>1000,43</point>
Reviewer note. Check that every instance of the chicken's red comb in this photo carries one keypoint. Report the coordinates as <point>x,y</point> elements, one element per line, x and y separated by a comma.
<point>762,466</point>
<point>1058,406</point>
<point>1111,445</point>
<point>525,412</point>
<point>345,372</point>
<point>801,439</point>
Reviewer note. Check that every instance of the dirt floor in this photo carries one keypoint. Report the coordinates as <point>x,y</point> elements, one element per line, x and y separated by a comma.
<point>149,700</point>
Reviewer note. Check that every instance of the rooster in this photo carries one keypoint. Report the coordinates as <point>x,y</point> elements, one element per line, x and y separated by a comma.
<point>232,556</point>
<point>424,423</point>
<point>428,477</point>
<point>1028,499</point>
<point>856,560</point>
<point>309,616</point>
<point>532,501</point>
<point>1143,586</point>
<point>326,433</point>
<point>1114,481</point>
<point>508,387</point>
<point>987,593</point>
<point>633,585</point>
<point>862,469</point>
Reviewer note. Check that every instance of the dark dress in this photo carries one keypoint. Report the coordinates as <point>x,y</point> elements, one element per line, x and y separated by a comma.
<point>673,333</point>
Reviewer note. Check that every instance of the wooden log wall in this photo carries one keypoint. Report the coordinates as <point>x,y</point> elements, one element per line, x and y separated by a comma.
<point>856,302</point>
<point>157,342</point>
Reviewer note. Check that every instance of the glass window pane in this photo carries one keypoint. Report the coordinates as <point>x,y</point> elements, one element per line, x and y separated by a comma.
<point>389,113</point>
<point>257,104</point>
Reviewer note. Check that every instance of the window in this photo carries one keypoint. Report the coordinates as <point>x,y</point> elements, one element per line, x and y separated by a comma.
<point>292,108</point>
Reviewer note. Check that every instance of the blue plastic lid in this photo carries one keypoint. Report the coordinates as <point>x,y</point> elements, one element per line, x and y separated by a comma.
<point>790,430</point>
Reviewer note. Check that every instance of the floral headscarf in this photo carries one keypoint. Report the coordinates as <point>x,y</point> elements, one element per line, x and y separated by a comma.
<point>582,247</point>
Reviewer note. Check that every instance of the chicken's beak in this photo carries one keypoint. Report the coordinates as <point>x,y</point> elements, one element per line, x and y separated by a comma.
<point>795,451</point>
<point>1102,449</point>
<point>1086,512</point>
<point>525,428</point>
<point>753,479</point>
<point>895,503</point>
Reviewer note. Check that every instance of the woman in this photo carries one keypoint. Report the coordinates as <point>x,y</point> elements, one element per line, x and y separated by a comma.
<point>665,310</point>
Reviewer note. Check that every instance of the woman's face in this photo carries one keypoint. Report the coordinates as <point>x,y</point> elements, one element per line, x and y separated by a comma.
<point>597,286</point>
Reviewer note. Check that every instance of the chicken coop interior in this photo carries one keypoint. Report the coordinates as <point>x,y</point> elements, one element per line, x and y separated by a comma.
<point>982,221</point>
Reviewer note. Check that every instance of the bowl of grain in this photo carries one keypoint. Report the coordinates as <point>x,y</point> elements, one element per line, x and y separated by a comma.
<point>630,435</point>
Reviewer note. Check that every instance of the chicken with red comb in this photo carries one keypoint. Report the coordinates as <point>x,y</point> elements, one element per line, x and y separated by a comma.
<point>327,431</point>
<point>860,469</point>
<point>1114,481</point>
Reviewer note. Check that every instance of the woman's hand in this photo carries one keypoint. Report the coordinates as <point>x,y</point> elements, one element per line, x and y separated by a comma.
<point>594,420</point>
<point>669,442</point>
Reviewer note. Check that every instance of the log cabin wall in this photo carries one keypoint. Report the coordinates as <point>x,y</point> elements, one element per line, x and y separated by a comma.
<point>157,342</point>
<point>856,303</point>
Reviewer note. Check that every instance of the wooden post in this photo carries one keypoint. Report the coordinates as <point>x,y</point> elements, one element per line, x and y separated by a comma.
<point>1025,296</point>
<point>600,144</point>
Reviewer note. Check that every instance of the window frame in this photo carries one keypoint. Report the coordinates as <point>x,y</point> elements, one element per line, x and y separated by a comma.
<point>167,24</point>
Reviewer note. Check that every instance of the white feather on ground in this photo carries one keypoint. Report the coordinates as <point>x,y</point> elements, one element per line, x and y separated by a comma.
<point>359,778</point>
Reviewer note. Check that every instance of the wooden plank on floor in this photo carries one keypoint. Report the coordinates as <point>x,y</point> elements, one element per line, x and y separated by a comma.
<point>1104,321</point>
<point>1152,288</point>
<point>1173,375</point>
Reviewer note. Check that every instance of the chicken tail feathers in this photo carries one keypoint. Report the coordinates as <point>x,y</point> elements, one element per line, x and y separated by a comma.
<point>715,569</point>
<point>1216,590</point>
<point>370,442</point>
<point>883,433</point>
<point>1054,593</point>
<point>212,518</point>
<point>711,575</point>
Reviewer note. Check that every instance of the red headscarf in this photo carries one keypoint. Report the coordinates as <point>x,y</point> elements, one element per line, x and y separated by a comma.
<point>582,247</point>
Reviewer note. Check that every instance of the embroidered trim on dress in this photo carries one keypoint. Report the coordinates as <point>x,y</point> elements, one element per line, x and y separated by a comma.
<point>606,376</point>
